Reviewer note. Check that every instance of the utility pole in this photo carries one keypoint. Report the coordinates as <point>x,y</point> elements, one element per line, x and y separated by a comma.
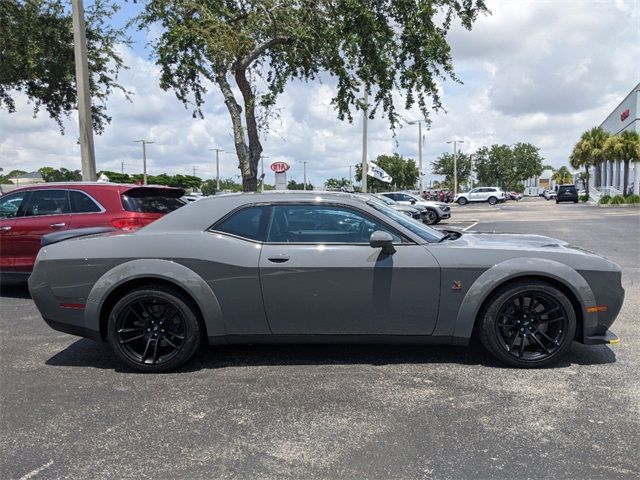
<point>304,187</point>
<point>350,176</point>
<point>122,164</point>
<point>144,159</point>
<point>420,140</point>
<point>455,164</point>
<point>194,171</point>
<point>365,116</point>
<point>262,157</point>
<point>217,150</point>
<point>85,119</point>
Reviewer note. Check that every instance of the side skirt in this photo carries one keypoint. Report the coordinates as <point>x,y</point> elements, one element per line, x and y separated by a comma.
<point>333,339</point>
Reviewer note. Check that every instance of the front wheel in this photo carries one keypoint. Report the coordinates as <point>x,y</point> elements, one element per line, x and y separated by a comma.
<point>154,329</point>
<point>528,324</point>
<point>462,201</point>
<point>430,217</point>
<point>493,200</point>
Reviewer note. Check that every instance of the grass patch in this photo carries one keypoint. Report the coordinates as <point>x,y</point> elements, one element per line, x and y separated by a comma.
<point>633,199</point>
<point>617,200</point>
<point>604,200</point>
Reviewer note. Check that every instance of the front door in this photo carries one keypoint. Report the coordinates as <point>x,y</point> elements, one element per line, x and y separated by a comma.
<point>11,207</point>
<point>320,276</point>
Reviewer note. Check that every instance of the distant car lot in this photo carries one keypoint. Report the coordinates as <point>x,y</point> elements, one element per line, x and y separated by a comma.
<point>68,410</point>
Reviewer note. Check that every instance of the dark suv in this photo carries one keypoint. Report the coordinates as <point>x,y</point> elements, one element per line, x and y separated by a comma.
<point>567,193</point>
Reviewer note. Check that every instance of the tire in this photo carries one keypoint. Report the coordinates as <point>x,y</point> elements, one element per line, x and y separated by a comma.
<point>138,329</point>
<point>557,202</point>
<point>575,201</point>
<point>431,217</point>
<point>462,201</point>
<point>517,341</point>
<point>492,200</point>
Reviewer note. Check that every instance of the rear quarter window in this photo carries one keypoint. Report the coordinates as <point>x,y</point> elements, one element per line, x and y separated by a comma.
<point>249,223</point>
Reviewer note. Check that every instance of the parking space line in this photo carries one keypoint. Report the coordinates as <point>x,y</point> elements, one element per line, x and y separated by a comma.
<point>472,225</point>
<point>33,473</point>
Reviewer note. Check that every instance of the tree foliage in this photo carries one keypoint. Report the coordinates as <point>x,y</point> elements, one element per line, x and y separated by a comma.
<point>590,152</point>
<point>180,181</point>
<point>388,47</point>
<point>624,148</point>
<point>293,185</point>
<point>562,176</point>
<point>36,57</point>
<point>507,166</point>
<point>403,171</point>
<point>50,174</point>
<point>444,166</point>
<point>337,183</point>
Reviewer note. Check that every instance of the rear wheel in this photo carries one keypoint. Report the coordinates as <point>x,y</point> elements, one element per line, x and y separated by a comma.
<point>154,329</point>
<point>528,324</point>
<point>493,200</point>
<point>430,217</point>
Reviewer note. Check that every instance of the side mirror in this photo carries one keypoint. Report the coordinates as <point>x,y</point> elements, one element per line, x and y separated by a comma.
<point>413,202</point>
<point>382,239</point>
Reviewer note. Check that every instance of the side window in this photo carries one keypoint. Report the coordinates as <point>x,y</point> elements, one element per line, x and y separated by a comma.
<point>250,222</point>
<point>392,196</point>
<point>12,205</point>
<point>82,203</point>
<point>47,202</point>
<point>322,224</point>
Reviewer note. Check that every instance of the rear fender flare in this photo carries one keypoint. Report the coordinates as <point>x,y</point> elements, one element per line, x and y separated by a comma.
<point>166,270</point>
<point>513,269</point>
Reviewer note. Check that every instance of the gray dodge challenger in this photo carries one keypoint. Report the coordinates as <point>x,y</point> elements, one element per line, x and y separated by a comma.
<point>320,268</point>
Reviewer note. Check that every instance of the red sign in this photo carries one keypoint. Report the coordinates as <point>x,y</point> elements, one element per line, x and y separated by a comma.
<point>279,167</point>
<point>624,115</point>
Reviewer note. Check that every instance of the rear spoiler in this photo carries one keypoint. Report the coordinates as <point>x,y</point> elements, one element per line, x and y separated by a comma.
<point>51,238</point>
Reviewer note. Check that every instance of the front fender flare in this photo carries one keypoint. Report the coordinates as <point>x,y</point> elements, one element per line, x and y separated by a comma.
<point>166,270</point>
<point>512,269</point>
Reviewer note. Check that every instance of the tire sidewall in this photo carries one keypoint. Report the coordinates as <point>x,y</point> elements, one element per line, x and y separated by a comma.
<point>489,319</point>
<point>432,217</point>
<point>462,201</point>
<point>177,301</point>
<point>492,200</point>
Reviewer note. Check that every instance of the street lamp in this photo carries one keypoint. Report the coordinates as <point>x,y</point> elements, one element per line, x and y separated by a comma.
<point>455,164</point>
<point>217,150</point>
<point>421,178</point>
<point>365,116</point>
<point>144,158</point>
<point>304,187</point>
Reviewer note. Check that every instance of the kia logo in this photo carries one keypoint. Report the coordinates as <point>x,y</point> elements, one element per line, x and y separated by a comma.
<point>624,115</point>
<point>279,167</point>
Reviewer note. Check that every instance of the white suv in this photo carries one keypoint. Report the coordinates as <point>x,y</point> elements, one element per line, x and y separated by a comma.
<point>492,195</point>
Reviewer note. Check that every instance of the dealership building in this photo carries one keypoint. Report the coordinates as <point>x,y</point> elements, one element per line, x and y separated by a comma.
<point>623,118</point>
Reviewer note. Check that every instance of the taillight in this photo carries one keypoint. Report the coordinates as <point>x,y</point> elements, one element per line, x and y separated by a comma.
<point>131,223</point>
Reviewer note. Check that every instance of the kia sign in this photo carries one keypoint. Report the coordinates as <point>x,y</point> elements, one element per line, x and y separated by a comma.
<point>624,115</point>
<point>279,167</point>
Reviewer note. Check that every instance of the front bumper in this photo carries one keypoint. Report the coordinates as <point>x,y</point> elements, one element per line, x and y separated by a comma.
<point>608,338</point>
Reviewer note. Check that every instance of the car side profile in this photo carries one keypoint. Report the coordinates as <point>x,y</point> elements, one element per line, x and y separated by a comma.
<point>491,195</point>
<point>321,268</point>
<point>28,213</point>
<point>434,212</point>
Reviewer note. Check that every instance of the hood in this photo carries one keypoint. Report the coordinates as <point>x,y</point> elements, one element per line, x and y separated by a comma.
<point>513,241</point>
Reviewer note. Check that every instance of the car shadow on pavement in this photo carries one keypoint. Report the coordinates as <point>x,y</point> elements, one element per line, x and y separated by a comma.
<point>14,288</point>
<point>87,353</point>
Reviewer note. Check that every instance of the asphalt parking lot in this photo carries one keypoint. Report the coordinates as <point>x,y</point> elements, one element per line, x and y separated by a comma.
<point>69,409</point>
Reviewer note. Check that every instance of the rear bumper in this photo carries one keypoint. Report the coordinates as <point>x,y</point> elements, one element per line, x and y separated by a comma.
<point>608,338</point>
<point>72,329</point>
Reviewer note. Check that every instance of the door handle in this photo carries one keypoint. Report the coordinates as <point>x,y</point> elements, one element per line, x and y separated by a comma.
<point>57,225</point>
<point>5,228</point>
<point>279,258</point>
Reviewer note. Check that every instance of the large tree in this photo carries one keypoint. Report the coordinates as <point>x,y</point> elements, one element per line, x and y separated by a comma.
<point>444,166</point>
<point>624,148</point>
<point>386,47</point>
<point>507,166</point>
<point>403,171</point>
<point>36,57</point>
<point>562,176</point>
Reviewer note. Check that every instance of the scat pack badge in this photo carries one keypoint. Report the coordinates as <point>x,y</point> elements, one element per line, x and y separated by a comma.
<point>457,286</point>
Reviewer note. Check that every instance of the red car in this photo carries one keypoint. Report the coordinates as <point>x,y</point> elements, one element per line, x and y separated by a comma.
<point>28,213</point>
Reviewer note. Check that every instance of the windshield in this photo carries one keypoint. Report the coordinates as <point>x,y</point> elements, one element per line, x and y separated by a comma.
<point>383,199</point>
<point>426,233</point>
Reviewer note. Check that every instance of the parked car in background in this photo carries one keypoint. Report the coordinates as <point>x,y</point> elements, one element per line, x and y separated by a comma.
<point>550,194</point>
<point>514,196</point>
<point>322,268</point>
<point>491,195</point>
<point>416,212</point>
<point>567,193</point>
<point>28,213</point>
<point>435,211</point>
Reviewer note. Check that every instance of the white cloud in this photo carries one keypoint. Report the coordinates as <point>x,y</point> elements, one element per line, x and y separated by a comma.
<point>534,71</point>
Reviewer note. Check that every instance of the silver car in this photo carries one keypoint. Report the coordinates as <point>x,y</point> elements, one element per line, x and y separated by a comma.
<point>435,211</point>
<point>320,268</point>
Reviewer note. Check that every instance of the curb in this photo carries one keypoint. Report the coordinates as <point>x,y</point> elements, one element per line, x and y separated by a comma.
<point>622,205</point>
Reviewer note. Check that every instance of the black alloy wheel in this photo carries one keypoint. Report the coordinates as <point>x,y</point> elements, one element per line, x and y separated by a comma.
<point>154,329</point>
<point>493,200</point>
<point>431,217</point>
<point>529,324</point>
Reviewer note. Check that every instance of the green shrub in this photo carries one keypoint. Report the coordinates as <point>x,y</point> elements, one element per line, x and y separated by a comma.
<point>605,199</point>
<point>635,199</point>
<point>617,200</point>
<point>584,198</point>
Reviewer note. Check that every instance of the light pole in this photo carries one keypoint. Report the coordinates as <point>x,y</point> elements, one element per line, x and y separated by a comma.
<point>304,186</point>
<point>262,157</point>
<point>364,141</point>
<point>217,150</point>
<point>85,120</point>
<point>421,177</point>
<point>144,158</point>
<point>455,164</point>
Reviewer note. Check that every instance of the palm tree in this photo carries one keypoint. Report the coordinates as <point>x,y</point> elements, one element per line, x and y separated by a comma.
<point>630,147</point>
<point>613,150</point>
<point>592,148</point>
<point>580,159</point>
<point>562,176</point>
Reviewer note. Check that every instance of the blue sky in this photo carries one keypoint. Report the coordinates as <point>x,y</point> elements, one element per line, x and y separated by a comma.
<point>538,71</point>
